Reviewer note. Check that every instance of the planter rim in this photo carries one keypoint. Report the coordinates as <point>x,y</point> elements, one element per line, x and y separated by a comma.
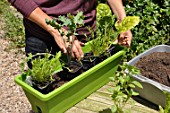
<point>45,97</point>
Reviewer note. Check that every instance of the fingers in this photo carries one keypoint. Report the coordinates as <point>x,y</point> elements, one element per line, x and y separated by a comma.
<point>82,44</point>
<point>77,51</point>
<point>125,39</point>
<point>60,42</point>
<point>65,46</point>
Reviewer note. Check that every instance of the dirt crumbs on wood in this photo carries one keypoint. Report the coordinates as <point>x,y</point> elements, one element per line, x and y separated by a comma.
<point>156,66</point>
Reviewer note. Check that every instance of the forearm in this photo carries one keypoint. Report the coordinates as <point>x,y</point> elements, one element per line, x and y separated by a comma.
<point>38,17</point>
<point>117,8</point>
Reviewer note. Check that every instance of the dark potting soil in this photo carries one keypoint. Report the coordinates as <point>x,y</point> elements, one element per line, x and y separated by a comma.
<point>65,76</point>
<point>156,66</point>
<point>59,82</point>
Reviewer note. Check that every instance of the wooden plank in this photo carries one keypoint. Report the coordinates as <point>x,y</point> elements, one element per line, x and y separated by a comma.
<point>92,105</point>
<point>104,89</point>
<point>131,104</point>
<point>101,94</point>
<point>138,109</point>
<point>78,110</point>
<point>101,102</point>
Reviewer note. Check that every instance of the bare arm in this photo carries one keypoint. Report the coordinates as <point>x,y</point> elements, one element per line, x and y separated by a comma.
<point>38,17</point>
<point>118,9</point>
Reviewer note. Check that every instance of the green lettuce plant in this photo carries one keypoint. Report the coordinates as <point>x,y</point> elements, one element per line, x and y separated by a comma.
<point>124,87</point>
<point>105,34</point>
<point>44,65</point>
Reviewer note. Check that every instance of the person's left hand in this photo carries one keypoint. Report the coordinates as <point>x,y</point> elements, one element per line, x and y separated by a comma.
<point>125,38</point>
<point>76,51</point>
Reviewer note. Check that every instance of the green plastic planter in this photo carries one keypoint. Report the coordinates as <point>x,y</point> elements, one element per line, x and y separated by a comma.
<point>75,90</point>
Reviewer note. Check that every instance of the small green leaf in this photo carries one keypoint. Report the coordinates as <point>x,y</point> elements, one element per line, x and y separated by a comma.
<point>112,78</point>
<point>138,84</point>
<point>161,110</point>
<point>134,93</point>
<point>114,109</point>
<point>121,79</point>
<point>131,85</point>
<point>127,23</point>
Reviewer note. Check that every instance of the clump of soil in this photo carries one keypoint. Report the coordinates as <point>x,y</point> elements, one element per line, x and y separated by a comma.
<point>156,66</point>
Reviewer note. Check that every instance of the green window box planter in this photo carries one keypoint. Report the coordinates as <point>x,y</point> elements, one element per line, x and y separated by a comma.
<point>75,90</point>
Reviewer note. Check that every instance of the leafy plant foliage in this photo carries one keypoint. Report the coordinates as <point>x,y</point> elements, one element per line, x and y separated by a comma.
<point>154,25</point>
<point>124,87</point>
<point>14,29</point>
<point>72,22</point>
<point>43,67</point>
<point>127,23</point>
<point>105,34</point>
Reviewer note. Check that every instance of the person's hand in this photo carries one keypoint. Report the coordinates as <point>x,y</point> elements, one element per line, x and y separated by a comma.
<point>125,38</point>
<point>38,17</point>
<point>77,51</point>
<point>64,45</point>
<point>60,42</point>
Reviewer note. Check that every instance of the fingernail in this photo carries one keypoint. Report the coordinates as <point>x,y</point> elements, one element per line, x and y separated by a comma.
<point>65,51</point>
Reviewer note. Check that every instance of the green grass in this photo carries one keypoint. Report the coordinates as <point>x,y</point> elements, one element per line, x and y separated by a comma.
<point>14,30</point>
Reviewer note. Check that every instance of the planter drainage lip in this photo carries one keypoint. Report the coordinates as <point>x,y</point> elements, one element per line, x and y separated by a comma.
<point>45,97</point>
<point>154,86</point>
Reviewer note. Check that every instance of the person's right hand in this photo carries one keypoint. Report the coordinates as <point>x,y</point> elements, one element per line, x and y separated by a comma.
<point>77,51</point>
<point>38,16</point>
<point>64,45</point>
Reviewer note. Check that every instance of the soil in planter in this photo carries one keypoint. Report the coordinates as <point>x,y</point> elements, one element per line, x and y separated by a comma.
<point>71,71</point>
<point>62,78</point>
<point>59,81</point>
<point>65,76</point>
<point>89,61</point>
<point>47,87</point>
<point>156,66</point>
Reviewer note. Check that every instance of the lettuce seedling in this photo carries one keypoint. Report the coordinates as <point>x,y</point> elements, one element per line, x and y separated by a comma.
<point>44,65</point>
